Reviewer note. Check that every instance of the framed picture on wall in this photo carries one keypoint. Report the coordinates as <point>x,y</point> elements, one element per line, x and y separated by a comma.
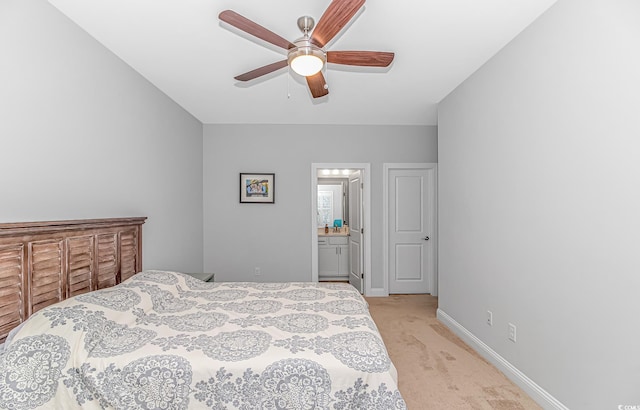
<point>257,188</point>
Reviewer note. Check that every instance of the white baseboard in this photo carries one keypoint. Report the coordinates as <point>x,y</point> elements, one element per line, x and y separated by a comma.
<point>537,393</point>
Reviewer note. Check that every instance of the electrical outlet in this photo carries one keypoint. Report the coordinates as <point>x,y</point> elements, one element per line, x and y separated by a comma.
<point>489,318</point>
<point>257,271</point>
<point>512,332</point>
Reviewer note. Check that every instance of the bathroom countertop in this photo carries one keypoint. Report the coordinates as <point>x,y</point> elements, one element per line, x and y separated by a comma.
<point>344,231</point>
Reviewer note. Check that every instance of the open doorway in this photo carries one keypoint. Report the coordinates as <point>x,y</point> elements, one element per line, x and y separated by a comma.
<point>348,248</point>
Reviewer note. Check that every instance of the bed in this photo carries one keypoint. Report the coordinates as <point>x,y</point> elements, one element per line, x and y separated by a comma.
<point>165,340</point>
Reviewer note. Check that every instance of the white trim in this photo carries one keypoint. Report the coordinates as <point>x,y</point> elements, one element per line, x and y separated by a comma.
<point>386,168</point>
<point>366,210</point>
<point>377,292</point>
<point>537,393</point>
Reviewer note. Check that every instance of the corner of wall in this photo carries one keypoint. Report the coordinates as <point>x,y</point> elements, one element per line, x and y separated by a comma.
<point>537,393</point>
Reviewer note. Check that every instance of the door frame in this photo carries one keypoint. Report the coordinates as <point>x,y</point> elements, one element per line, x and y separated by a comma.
<point>386,169</point>
<point>366,217</point>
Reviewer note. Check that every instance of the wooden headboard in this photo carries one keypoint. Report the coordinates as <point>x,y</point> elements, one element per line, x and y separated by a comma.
<point>42,263</point>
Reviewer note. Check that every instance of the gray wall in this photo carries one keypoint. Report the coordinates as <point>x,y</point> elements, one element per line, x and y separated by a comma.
<point>539,165</point>
<point>277,238</point>
<point>82,135</point>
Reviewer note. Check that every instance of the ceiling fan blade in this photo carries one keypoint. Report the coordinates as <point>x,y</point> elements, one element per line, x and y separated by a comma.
<point>317,85</point>
<point>360,58</point>
<point>335,17</point>
<point>258,72</point>
<point>248,26</point>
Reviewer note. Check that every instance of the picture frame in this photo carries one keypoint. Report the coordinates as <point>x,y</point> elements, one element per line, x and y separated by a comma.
<point>257,188</point>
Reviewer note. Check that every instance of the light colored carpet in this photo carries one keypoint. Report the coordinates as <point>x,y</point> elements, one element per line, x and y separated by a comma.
<point>436,369</point>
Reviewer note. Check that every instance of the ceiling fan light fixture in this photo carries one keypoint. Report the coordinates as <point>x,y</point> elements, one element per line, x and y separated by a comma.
<point>306,60</point>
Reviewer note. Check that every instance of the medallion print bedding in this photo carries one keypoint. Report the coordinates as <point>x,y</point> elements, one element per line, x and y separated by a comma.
<point>164,340</point>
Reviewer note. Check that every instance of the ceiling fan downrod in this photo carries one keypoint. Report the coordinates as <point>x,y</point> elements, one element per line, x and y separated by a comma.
<point>306,24</point>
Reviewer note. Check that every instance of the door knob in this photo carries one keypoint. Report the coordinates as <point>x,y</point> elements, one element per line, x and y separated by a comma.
<point>426,238</point>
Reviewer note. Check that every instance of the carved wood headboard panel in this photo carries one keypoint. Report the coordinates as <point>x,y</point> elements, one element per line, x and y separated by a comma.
<point>42,263</point>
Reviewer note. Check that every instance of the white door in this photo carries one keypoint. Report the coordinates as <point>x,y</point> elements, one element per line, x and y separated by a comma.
<point>411,228</point>
<point>356,274</point>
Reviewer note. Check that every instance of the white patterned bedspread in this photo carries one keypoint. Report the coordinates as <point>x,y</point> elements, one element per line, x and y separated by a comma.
<point>164,340</point>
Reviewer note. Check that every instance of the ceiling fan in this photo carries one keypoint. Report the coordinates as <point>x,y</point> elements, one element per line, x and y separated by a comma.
<point>306,56</point>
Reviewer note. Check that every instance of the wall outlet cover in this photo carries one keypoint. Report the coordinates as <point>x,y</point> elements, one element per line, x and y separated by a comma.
<point>512,332</point>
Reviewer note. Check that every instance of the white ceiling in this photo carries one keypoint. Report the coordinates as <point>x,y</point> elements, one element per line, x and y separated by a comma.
<point>183,48</point>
